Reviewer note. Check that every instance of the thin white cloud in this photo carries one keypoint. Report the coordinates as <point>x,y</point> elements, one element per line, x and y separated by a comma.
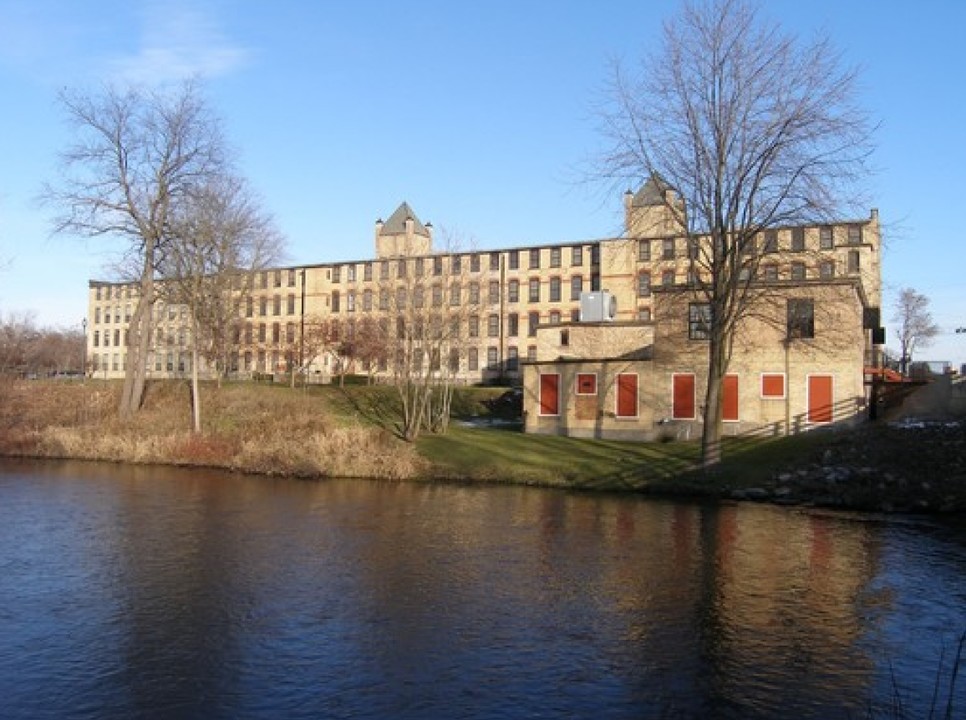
<point>178,42</point>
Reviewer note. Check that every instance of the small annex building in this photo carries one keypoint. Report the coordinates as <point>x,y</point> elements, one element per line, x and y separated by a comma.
<point>799,355</point>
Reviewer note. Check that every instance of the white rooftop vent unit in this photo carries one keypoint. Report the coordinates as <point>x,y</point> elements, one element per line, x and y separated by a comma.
<point>597,306</point>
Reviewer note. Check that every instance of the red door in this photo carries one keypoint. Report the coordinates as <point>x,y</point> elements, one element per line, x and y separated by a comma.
<point>627,395</point>
<point>682,403</point>
<point>820,398</point>
<point>729,398</point>
<point>549,396</point>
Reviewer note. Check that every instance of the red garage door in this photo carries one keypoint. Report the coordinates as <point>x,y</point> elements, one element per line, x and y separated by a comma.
<point>627,395</point>
<point>682,407</point>
<point>549,395</point>
<point>729,398</point>
<point>820,398</point>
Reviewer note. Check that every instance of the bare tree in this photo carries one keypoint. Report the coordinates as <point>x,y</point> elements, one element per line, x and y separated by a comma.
<point>916,328</point>
<point>138,157</point>
<point>745,129</point>
<point>219,238</point>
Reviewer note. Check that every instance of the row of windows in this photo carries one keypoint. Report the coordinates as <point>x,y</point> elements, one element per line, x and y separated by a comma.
<point>264,306</point>
<point>667,248</point>
<point>258,280</point>
<point>454,294</point>
<point>436,265</point>
<point>770,272</point>
<point>799,319</point>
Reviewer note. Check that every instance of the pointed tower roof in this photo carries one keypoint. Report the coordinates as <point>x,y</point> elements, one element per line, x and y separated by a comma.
<point>396,224</point>
<point>652,194</point>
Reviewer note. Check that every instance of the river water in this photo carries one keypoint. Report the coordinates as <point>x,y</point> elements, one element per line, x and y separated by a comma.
<point>161,593</point>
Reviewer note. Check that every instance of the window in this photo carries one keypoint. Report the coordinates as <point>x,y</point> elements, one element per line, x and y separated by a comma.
<point>549,400</point>
<point>290,305</point>
<point>437,265</point>
<point>826,269</point>
<point>555,257</point>
<point>694,250</point>
<point>643,250</point>
<point>532,353</point>
<point>475,263</point>
<point>825,241</point>
<point>771,242</point>
<point>644,314</point>
<point>454,360</point>
<point>534,292</point>
<point>437,296</point>
<point>512,359</point>
<point>367,300</point>
<point>276,305</point>
<point>575,315</point>
<point>512,325</point>
<point>367,272</point>
<point>798,239</point>
<point>855,234</point>
<point>682,396</point>
<point>336,275</point>
<point>576,287</point>
<point>586,383</point>
<point>773,386</point>
<point>493,325</point>
<point>350,273</point>
<point>335,302</point>
<point>473,359</point>
<point>513,291</point>
<point>474,293</point>
<point>350,301</point>
<point>401,268</point>
<point>276,334</point>
<point>644,284</point>
<point>384,270</point>
<point>667,278</point>
<point>626,395</point>
<point>699,321</point>
<point>577,255</point>
<point>494,261</point>
<point>454,294</point>
<point>456,264</point>
<point>492,358</point>
<point>533,319</point>
<point>555,289</point>
<point>473,326</point>
<point>534,258</point>
<point>494,293</point>
<point>565,338</point>
<point>262,307</point>
<point>419,296</point>
<point>383,299</point>
<point>770,272</point>
<point>667,249</point>
<point>798,271</point>
<point>97,338</point>
<point>853,261</point>
<point>801,318</point>
<point>513,259</point>
<point>595,254</point>
<point>554,317</point>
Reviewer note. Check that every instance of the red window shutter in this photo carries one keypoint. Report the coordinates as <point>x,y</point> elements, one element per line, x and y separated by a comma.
<point>549,396</point>
<point>683,397</point>
<point>773,385</point>
<point>627,395</point>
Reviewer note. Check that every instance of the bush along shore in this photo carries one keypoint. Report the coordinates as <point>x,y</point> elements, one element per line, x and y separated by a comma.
<point>349,432</point>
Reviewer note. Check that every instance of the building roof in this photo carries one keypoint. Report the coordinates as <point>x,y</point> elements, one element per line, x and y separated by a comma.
<point>396,224</point>
<point>652,194</point>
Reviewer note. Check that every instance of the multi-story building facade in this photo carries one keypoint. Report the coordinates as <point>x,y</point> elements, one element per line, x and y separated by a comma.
<point>496,312</point>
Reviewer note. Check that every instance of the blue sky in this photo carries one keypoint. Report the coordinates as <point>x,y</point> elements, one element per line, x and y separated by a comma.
<point>478,114</point>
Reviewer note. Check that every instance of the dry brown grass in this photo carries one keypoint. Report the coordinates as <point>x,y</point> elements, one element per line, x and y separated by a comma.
<point>248,428</point>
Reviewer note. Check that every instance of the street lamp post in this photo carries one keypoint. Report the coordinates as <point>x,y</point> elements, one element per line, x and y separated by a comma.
<point>84,350</point>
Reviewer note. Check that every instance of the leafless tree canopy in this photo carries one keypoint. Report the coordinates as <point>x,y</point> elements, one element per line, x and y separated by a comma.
<point>751,129</point>
<point>915,326</point>
<point>138,158</point>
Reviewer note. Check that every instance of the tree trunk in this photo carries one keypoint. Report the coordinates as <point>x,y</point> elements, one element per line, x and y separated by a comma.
<point>711,415</point>
<point>138,344</point>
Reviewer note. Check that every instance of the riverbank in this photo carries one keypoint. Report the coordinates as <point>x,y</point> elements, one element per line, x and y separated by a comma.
<point>348,432</point>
